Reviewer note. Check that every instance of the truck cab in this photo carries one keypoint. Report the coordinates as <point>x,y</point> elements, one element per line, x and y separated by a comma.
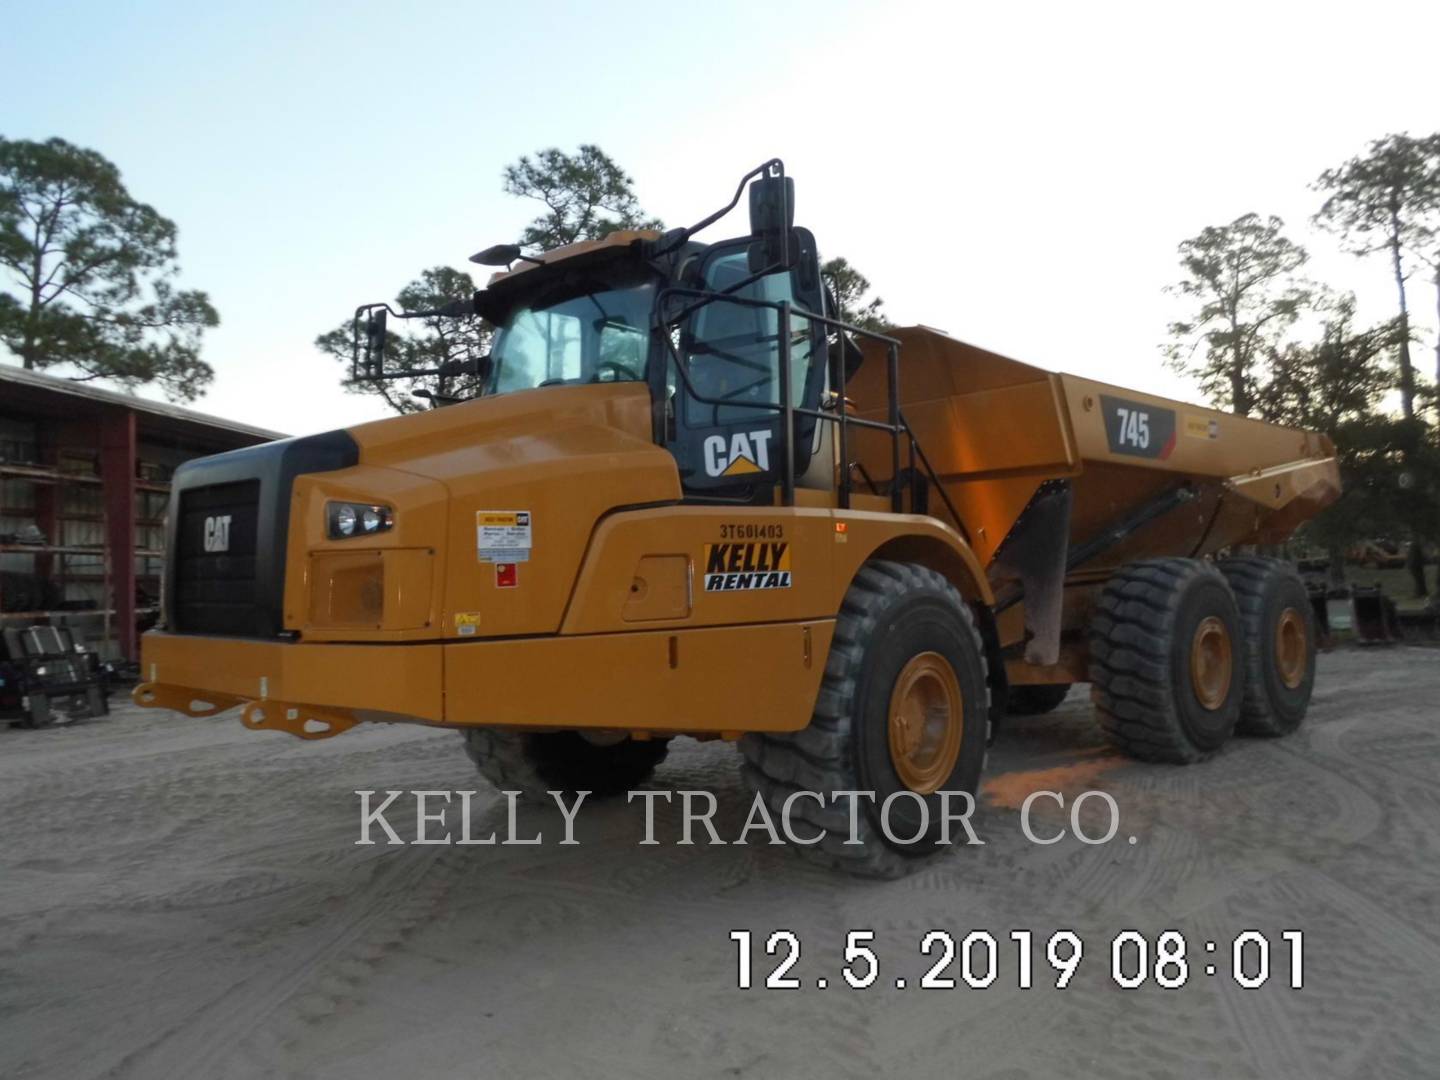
<point>698,329</point>
<point>649,452</point>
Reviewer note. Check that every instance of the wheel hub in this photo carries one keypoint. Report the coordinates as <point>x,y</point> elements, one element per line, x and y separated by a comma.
<point>926,722</point>
<point>1212,662</point>
<point>1292,652</point>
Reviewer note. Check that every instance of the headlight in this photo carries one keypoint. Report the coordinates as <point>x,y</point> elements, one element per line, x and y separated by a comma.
<point>357,519</point>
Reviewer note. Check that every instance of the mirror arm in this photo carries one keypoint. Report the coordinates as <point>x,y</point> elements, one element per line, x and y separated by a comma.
<point>388,375</point>
<point>444,372</point>
<point>456,309</point>
<point>671,241</point>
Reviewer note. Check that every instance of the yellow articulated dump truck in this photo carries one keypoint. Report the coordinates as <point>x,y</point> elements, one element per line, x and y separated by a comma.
<point>692,501</point>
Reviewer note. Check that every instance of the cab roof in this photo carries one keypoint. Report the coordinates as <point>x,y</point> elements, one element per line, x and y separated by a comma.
<point>620,238</point>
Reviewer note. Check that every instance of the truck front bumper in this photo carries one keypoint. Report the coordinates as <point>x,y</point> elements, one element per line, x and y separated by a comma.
<point>722,680</point>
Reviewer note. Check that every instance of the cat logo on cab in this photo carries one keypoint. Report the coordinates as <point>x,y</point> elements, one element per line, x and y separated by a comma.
<point>743,453</point>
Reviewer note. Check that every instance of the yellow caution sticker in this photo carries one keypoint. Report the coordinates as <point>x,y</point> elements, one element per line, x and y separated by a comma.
<point>1202,427</point>
<point>467,623</point>
<point>747,566</point>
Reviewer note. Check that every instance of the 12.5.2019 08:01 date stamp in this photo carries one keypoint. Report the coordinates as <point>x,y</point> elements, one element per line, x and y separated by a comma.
<point>1250,958</point>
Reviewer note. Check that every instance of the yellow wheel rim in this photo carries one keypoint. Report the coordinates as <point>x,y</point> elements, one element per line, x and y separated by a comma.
<point>1212,662</point>
<point>927,721</point>
<point>1292,648</point>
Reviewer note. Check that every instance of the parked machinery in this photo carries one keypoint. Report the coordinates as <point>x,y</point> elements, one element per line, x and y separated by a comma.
<point>42,669</point>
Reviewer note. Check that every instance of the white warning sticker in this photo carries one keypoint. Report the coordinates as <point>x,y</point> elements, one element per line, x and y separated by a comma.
<point>502,536</point>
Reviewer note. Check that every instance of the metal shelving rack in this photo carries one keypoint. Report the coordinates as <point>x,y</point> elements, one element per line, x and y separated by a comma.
<point>108,609</point>
<point>89,467</point>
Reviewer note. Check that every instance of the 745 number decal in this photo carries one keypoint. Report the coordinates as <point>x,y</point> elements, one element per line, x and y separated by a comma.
<point>1137,429</point>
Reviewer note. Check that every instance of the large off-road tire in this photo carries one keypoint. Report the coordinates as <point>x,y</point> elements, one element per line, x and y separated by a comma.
<point>535,762</point>
<point>1166,672</point>
<point>1278,628</point>
<point>903,706</point>
<point>1035,699</point>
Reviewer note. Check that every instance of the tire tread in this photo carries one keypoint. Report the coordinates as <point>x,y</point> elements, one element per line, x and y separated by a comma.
<point>1131,646</point>
<point>818,757</point>
<point>1251,577</point>
<point>524,761</point>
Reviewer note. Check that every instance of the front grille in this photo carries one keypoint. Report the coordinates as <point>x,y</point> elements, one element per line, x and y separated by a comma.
<point>214,565</point>
<point>226,537</point>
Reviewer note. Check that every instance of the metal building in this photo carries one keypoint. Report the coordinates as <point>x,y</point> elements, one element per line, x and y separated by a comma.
<point>84,486</point>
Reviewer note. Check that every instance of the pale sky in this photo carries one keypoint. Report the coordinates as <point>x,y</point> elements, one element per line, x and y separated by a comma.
<point>1017,175</point>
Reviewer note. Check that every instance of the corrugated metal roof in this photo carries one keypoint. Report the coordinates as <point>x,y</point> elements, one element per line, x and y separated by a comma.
<point>9,373</point>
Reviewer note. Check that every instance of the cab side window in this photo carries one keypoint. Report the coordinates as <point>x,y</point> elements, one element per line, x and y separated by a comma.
<point>733,349</point>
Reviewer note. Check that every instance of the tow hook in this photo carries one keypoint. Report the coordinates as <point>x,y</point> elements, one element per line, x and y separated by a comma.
<point>302,721</point>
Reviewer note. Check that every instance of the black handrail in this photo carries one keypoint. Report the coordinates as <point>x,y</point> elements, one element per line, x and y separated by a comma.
<point>896,427</point>
<point>934,479</point>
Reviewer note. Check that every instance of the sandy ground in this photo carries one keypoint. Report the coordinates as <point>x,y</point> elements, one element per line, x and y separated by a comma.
<point>184,898</point>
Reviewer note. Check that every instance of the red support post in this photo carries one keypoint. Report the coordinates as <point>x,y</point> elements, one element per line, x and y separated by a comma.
<point>47,515</point>
<point>117,472</point>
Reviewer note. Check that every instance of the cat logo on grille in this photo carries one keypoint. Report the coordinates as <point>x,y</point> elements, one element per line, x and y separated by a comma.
<point>217,533</point>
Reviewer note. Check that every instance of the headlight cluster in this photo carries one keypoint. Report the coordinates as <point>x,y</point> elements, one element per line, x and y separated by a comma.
<point>345,519</point>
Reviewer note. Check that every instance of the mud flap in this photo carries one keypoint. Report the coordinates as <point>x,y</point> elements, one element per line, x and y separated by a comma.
<point>1320,606</point>
<point>1375,616</point>
<point>1034,553</point>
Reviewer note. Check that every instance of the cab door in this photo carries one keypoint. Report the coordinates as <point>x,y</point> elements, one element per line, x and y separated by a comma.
<point>727,433</point>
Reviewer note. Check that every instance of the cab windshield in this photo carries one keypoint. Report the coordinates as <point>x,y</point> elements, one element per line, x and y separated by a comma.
<point>600,335</point>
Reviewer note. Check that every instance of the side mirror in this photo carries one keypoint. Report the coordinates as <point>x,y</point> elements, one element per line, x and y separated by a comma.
<point>375,335</point>
<point>772,217</point>
<point>807,265</point>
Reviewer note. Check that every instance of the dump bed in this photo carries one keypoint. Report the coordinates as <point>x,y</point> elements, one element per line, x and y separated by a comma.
<point>995,430</point>
<point>1057,480</point>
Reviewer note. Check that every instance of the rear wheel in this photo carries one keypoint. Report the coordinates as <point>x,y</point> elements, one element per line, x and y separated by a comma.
<point>1035,699</point>
<point>1166,676</point>
<point>903,708</point>
<point>534,762</point>
<point>1278,627</point>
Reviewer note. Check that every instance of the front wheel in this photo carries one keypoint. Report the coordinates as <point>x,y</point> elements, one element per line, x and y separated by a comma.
<point>902,716</point>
